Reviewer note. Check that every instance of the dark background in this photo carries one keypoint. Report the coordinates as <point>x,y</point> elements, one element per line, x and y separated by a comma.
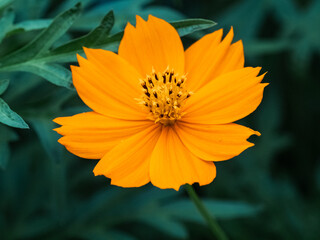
<point>271,191</point>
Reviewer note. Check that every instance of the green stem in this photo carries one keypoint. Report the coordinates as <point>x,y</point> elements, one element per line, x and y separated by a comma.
<point>213,225</point>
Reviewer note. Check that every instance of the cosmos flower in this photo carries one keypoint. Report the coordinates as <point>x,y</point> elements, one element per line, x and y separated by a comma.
<point>161,114</point>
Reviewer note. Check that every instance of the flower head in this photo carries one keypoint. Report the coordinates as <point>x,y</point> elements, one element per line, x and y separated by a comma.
<point>160,113</point>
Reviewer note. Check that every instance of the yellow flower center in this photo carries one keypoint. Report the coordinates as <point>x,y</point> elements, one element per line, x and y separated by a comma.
<point>164,95</point>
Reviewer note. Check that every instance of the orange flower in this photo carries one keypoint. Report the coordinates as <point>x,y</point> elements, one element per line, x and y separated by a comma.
<point>160,113</point>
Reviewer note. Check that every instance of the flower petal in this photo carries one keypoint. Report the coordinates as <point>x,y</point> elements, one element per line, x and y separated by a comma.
<point>108,85</point>
<point>152,44</point>
<point>228,98</point>
<point>91,135</point>
<point>127,164</point>
<point>209,58</point>
<point>173,165</point>
<point>215,142</point>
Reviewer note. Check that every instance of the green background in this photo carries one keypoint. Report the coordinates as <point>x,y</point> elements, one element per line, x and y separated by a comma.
<point>271,191</point>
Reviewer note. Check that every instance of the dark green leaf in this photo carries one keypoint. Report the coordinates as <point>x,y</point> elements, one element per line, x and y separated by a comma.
<point>4,85</point>
<point>166,225</point>
<point>4,155</point>
<point>48,137</point>
<point>45,39</point>
<point>6,23</point>
<point>101,234</point>
<point>185,27</point>
<point>34,227</point>
<point>6,135</point>
<point>9,117</point>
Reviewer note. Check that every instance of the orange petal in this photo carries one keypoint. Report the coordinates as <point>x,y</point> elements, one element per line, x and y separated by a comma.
<point>108,85</point>
<point>91,135</point>
<point>215,142</point>
<point>173,165</point>
<point>228,98</point>
<point>152,44</point>
<point>209,58</point>
<point>128,163</point>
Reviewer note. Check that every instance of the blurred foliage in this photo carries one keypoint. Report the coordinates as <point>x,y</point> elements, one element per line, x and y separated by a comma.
<point>271,191</point>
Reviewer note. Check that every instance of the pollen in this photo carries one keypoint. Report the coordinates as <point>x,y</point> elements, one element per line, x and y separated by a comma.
<point>163,96</point>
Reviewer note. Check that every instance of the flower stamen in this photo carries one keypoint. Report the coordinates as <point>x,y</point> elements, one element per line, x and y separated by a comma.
<point>164,95</point>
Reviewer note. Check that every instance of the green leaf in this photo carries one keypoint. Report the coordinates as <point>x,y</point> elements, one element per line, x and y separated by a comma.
<point>29,25</point>
<point>9,117</point>
<point>4,85</point>
<point>6,23</point>
<point>95,37</point>
<point>185,27</point>
<point>45,39</point>
<point>4,3</point>
<point>69,3</point>
<point>185,210</point>
<point>54,73</point>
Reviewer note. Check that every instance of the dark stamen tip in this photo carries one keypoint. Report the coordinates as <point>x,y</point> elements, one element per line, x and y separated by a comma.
<point>164,78</point>
<point>170,76</point>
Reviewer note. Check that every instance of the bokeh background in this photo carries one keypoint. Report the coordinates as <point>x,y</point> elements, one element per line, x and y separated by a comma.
<point>271,191</point>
